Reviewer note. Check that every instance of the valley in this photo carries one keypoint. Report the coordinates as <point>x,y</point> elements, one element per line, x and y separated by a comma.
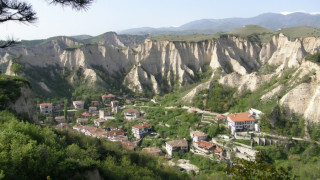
<point>204,104</point>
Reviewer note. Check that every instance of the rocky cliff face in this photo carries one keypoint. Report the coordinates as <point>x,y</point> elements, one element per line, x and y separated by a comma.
<point>161,66</point>
<point>25,105</point>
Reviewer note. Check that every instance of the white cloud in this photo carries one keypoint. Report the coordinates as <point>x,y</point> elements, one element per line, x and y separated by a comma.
<point>301,11</point>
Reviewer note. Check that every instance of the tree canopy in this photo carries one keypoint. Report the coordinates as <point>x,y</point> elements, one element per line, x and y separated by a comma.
<point>19,11</point>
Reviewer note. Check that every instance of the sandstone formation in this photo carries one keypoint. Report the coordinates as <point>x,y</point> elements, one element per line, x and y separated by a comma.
<point>161,66</point>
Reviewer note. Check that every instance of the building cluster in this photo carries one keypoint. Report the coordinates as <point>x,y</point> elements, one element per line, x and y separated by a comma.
<point>108,106</point>
<point>238,122</point>
<point>109,134</point>
<point>200,143</point>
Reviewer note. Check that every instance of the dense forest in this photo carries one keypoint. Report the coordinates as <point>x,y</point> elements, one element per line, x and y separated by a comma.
<point>28,150</point>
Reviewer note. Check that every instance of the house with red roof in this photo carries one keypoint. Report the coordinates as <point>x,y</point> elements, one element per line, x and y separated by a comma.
<point>86,115</point>
<point>220,117</point>
<point>198,136</point>
<point>82,121</point>
<point>205,146</point>
<point>99,122</point>
<point>78,104</point>
<point>63,125</point>
<point>131,114</point>
<point>106,99</point>
<point>60,119</point>
<point>241,122</point>
<point>95,103</point>
<point>46,108</point>
<point>141,130</point>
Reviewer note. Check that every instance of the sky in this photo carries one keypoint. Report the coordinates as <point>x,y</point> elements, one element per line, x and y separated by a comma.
<point>115,15</point>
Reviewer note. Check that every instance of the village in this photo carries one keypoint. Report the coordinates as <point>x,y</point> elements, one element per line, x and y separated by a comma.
<point>243,130</point>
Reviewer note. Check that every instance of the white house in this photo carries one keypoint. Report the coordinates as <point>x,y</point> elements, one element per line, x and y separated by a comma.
<point>177,145</point>
<point>131,114</point>
<point>240,122</point>
<point>198,136</point>
<point>78,104</point>
<point>99,122</point>
<point>82,121</point>
<point>46,108</point>
<point>106,115</point>
<point>114,103</point>
<point>59,119</point>
<point>141,129</point>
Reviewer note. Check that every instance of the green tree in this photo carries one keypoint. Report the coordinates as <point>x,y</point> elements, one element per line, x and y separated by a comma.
<point>2,174</point>
<point>220,98</point>
<point>65,109</point>
<point>16,68</point>
<point>261,168</point>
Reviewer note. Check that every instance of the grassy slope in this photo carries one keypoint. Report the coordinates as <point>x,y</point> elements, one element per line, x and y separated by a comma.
<point>264,35</point>
<point>254,33</point>
<point>300,32</point>
<point>185,38</point>
<point>250,29</point>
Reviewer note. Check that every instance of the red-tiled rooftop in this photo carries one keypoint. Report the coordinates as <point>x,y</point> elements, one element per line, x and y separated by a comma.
<point>99,120</point>
<point>220,116</point>
<point>141,126</point>
<point>241,117</point>
<point>199,134</point>
<point>205,145</point>
<point>86,114</point>
<point>116,132</point>
<point>46,104</point>
<point>109,96</point>
<point>59,117</point>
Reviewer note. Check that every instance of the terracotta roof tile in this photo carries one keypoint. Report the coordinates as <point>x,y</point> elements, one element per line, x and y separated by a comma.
<point>78,102</point>
<point>241,117</point>
<point>59,118</point>
<point>220,116</point>
<point>108,96</point>
<point>205,145</point>
<point>199,134</point>
<point>46,104</point>
<point>141,126</point>
<point>86,114</point>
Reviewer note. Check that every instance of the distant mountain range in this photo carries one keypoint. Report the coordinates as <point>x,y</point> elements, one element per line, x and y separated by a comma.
<point>271,21</point>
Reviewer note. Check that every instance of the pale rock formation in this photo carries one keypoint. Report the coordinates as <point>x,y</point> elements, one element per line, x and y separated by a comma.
<point>24,105</point>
